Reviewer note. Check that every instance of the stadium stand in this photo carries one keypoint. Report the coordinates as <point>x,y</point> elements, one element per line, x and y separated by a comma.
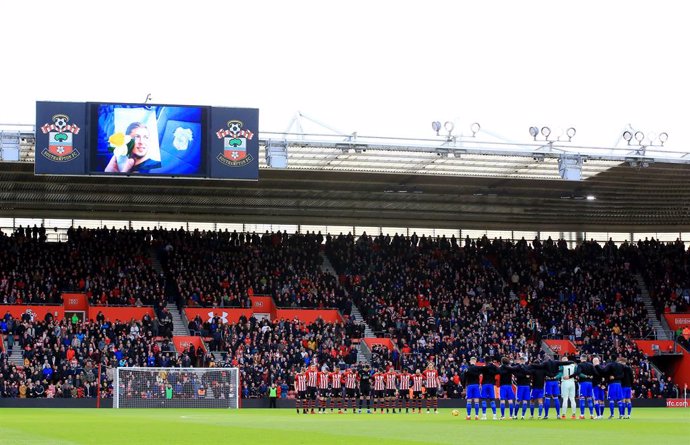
<point>437,299</point>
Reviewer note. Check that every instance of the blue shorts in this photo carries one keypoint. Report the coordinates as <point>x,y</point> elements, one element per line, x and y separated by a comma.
<point>507,393</point>
<point>523,393</point>
<point>627,392</point>
<point>586,389</point>
<point>615,391</point>
<point>488,391</point>
<point>552,388</point>
<point>473,392</point>
<point>598,393</point>
<point>537,393</point>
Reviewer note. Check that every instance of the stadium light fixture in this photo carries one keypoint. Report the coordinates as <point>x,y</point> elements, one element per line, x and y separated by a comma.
<point>627,136</point>
<point>475,127</point>
<point>436,126</point>
<point>639,137</point>
<point>591,198</point>
<point>663,137</point>
<point>570,132</point>
<point>546,132</point>
<point>534,132</point>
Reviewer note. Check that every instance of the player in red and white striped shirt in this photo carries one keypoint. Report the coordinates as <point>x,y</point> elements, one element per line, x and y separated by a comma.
<point>417,385</point>
<point>404,391</point>
<point>351,380</point>
<point>301,391</point>
<point>324,381</point>
<point>432,385</point>
<point>336,390</point>
<point>379,389</point>
<point>312,380</point>
<point>391,388</point>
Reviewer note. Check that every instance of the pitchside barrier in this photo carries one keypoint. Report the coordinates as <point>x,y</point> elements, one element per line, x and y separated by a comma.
<point>264,403</point>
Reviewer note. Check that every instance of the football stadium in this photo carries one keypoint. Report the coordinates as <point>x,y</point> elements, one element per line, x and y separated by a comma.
<point>185,257</point>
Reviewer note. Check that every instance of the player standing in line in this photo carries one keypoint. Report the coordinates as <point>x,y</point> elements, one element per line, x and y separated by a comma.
<point>391,388</point>
<point>585,376</point>
<point>301,391</point>
<point>626,385</point>
<point>336,390</point>
<point>417,385</point>
<point>471,381</point>
<point>312,380</point>
<point>505,384</point>
<point>568,374</point>
<point>404,392</point>
<point>538,374</point>
<point>598,389</point>
<point>365,387</point>
<point>489,372</point>
<point>552,392</point>
<point>379,390</point>
<point>433,383</point>
<point>615,372</point>
<point>552,389</point>
<point>351,383</point>
<point>522,380</point>
<point>324,380</point>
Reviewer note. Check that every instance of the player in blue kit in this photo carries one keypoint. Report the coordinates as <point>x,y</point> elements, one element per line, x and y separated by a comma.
<point>585,375</point>
<point>489,371</point>
<point>626,385</point>
<point>538,374</point>
<point>471,381</point>
<point>505,379</point>
<point>552,389</point>
<point>522,379</point>
<point>598,390</point>
<point>614,371</point>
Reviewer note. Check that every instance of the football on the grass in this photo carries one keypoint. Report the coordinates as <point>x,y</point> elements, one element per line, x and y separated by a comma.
<point>455,412</point>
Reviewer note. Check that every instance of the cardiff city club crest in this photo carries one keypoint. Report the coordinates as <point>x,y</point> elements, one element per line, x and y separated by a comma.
<point>60,142</point>
<point>235,145</point>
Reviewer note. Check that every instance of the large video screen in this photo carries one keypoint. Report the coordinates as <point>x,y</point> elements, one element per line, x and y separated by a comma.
<point>129,140</point>
<point>150,140</point>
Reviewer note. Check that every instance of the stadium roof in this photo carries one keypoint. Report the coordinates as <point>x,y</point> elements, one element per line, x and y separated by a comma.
<point>359,181</point>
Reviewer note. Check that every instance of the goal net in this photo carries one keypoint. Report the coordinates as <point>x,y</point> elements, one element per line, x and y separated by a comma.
<point>176,388</point>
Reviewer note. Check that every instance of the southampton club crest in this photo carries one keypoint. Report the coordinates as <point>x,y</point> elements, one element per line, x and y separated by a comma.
<point>60,143</point>
<point>235,145</point>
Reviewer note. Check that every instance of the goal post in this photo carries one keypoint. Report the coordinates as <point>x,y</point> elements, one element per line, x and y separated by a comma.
<point>140,387</point>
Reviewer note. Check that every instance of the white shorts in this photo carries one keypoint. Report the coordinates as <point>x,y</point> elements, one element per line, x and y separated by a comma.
<point>568,389</point>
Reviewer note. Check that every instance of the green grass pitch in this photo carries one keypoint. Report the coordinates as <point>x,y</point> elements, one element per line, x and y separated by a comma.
<point>651,426</point>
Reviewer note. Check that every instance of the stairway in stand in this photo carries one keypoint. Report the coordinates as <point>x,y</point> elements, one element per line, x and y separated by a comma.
<point>355,314</point>
<point>179,325</point>
<point>16,357</point>
<point>661,331</point>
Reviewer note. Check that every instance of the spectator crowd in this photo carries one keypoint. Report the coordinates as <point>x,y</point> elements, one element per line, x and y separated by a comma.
<point>438,299</point>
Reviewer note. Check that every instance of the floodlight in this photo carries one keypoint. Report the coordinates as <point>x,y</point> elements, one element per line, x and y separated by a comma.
<point>534,132</point>
<point>475,128</point>
<point>570,132</point>
<point>639,136</point>
<point>627,136</point>
<point>545,131</point>
<point>436,126</point>
<point>449,126</point>
<point>663,137</point>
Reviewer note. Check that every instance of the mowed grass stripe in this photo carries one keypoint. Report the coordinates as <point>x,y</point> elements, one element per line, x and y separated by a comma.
<point>652,426</point>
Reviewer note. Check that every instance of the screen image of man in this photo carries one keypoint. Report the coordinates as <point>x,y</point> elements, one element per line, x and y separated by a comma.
<point>139,160</point>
